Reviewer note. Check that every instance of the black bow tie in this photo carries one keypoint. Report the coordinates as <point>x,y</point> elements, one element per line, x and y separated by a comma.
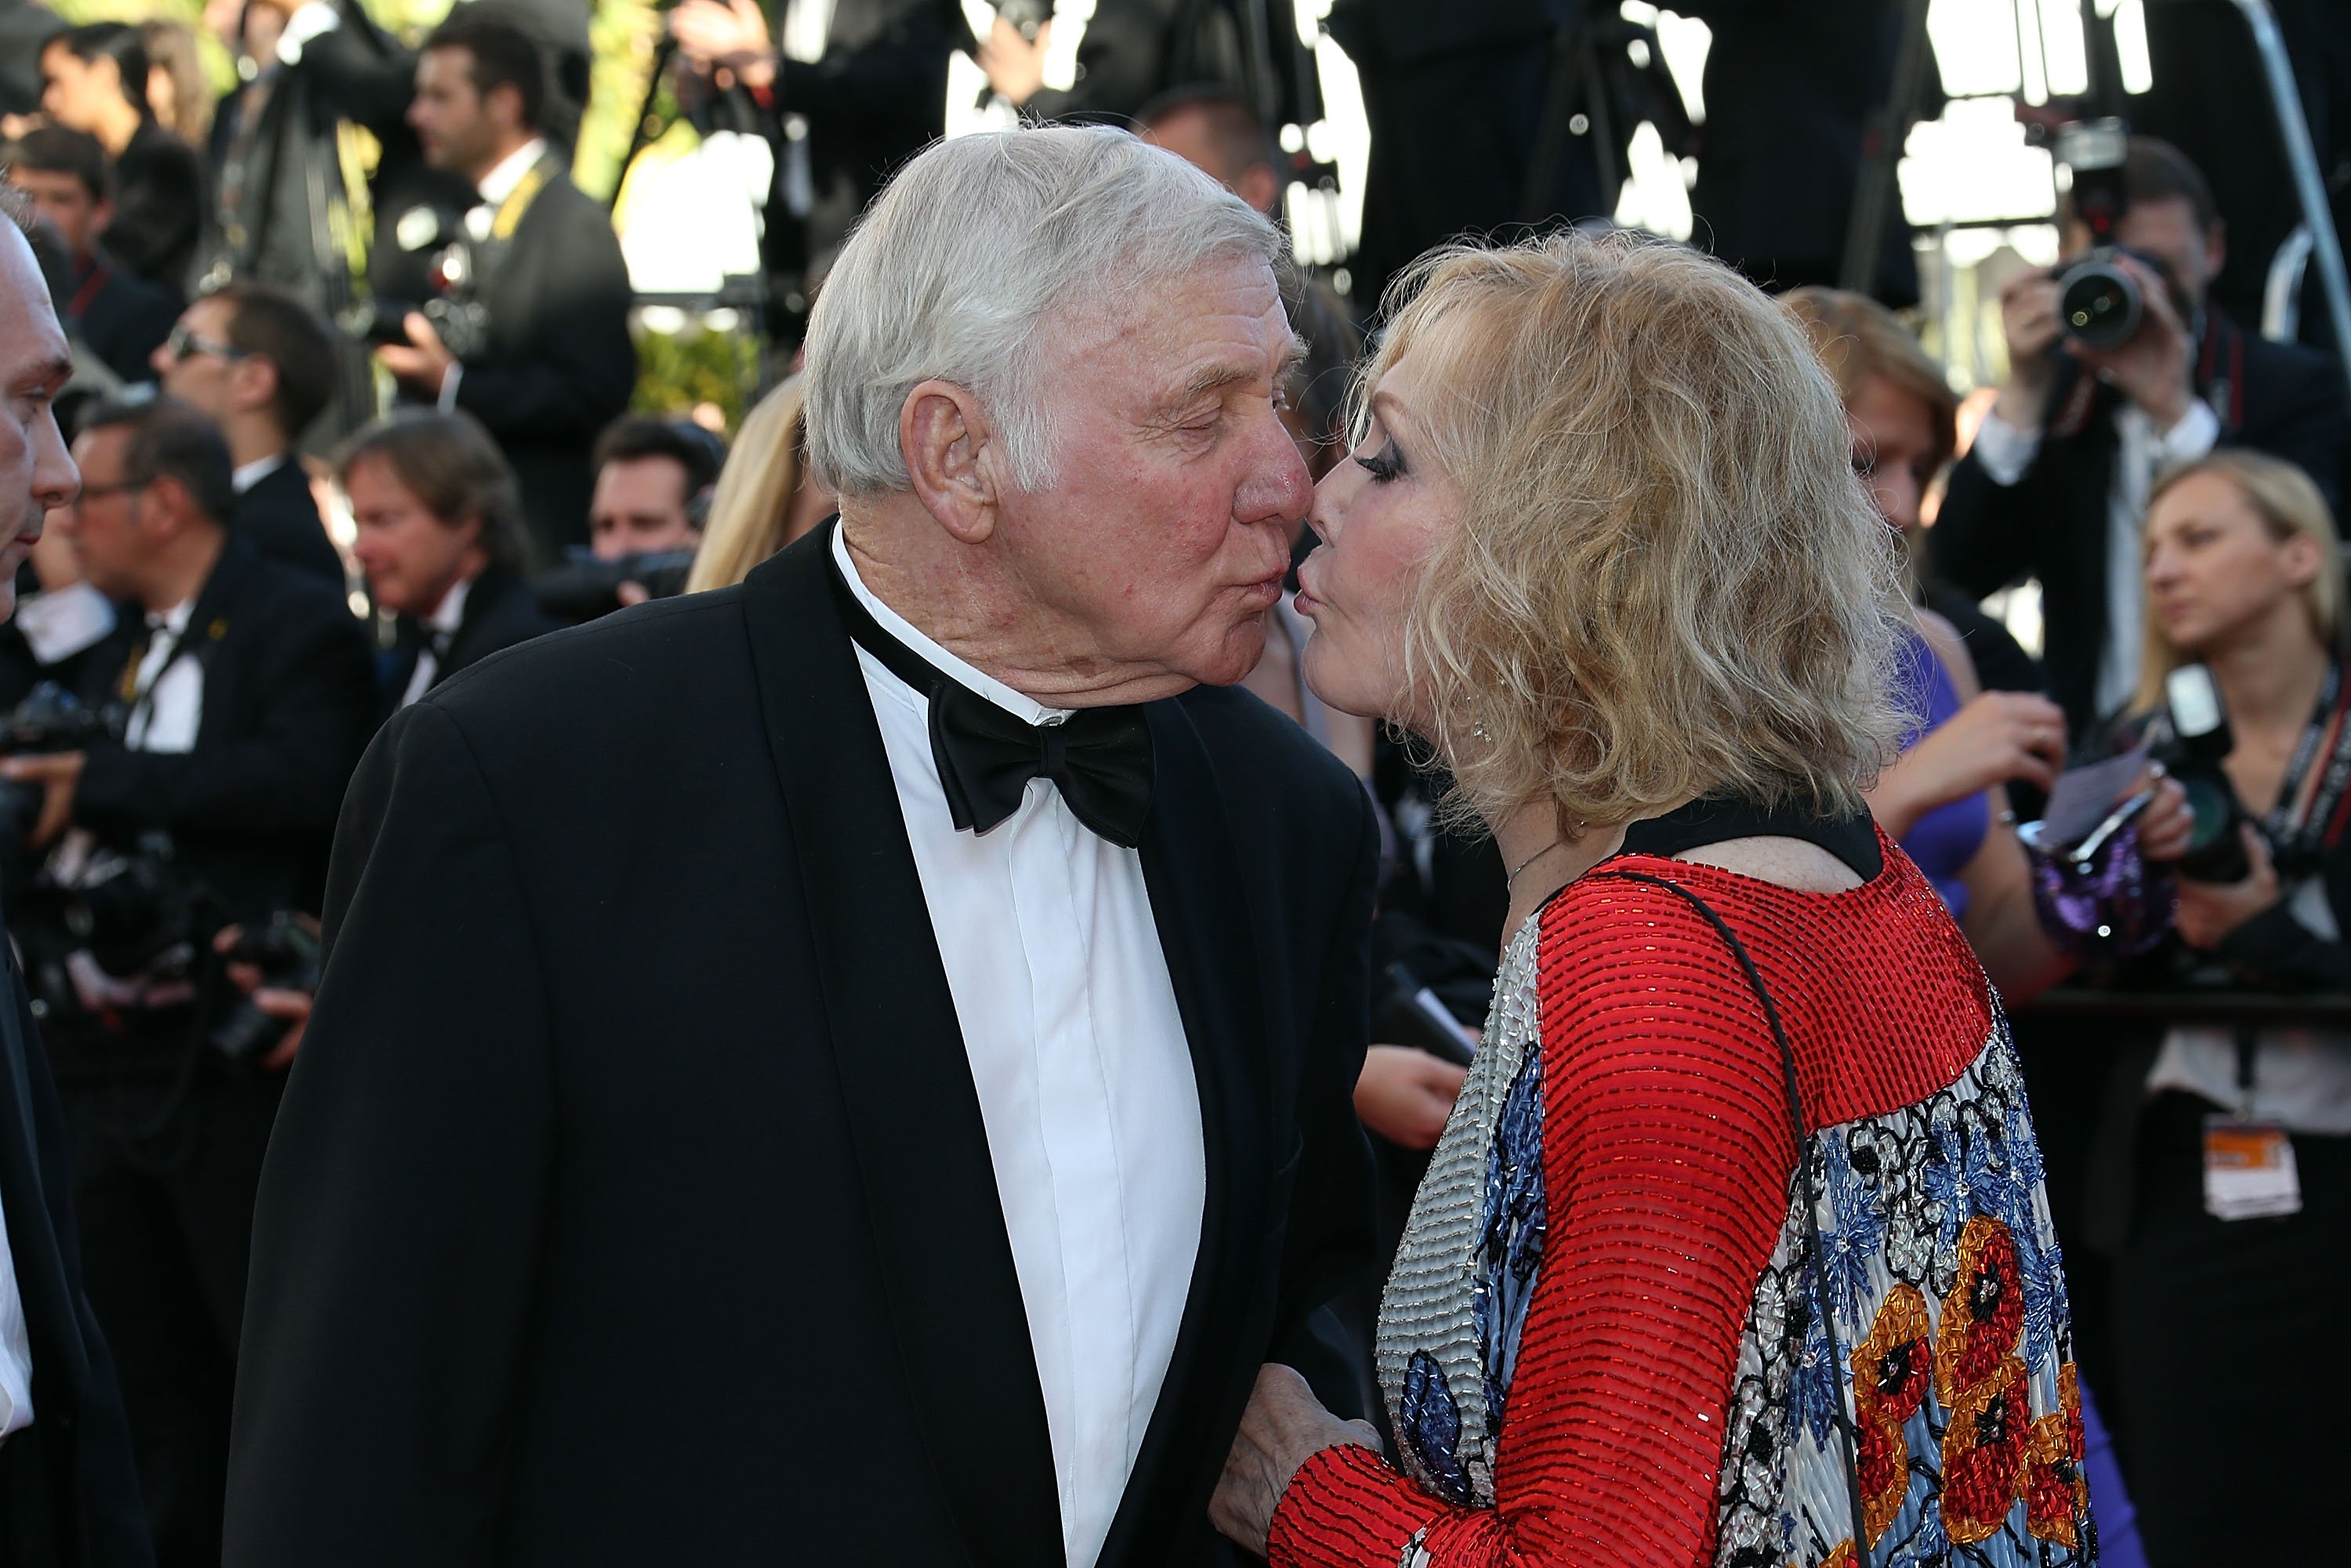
<point>1099,758</point>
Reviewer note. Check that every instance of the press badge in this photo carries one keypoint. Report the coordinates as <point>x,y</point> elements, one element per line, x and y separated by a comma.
<point>2248,1170</point>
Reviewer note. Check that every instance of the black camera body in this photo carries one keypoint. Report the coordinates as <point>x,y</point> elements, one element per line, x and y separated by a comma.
<point>49,720</point>
<point>453,274</point>
<point>584,588</point>
<point>287,952</point>
<point>2200,742</point>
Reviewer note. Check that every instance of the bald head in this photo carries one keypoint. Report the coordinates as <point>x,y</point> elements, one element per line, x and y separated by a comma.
<point>37,475</point>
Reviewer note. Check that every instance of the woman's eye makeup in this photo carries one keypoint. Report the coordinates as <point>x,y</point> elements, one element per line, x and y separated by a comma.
<point>1383,466</point>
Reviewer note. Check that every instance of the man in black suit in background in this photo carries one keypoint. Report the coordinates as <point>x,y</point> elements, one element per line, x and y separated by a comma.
<point>68,1495</point>
<point>556,364</point>
<point>909,1153</point>
<point>117,315</point>
<point>249,699</point>
<point>2056,484</point>
<point>261,365</point>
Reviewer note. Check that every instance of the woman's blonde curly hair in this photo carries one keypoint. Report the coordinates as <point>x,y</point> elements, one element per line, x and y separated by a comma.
<point>1668,582</point>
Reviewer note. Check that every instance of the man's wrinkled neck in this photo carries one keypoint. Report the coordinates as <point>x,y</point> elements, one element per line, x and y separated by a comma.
<point>961,597</point>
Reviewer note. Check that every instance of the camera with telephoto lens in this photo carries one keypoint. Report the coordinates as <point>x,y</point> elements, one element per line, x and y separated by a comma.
<point>135,911</point>
<point>583,587</point>
<point>2099,304</point>
<point>49,720</point>
<point>287,952</point>
<point>455,307</point>
<point>2199,743</point>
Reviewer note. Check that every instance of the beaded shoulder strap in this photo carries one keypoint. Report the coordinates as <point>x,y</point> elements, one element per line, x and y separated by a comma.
<point>1808,1190</point>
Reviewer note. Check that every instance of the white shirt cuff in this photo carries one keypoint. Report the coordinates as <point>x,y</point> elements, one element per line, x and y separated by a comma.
<point>2198,432</point>
<point>62,623</point>
<point>310,20</point>
<point>447,402</point>
<point>2004,450</point>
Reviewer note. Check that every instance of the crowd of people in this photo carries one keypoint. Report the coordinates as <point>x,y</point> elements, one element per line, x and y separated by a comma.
<point>1166,911</point>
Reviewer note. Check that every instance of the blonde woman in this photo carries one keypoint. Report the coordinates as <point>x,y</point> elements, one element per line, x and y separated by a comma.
<point>2244,575</point>
<point>765,498</point>
<point>1600,541</point>
<point>1946,799</point>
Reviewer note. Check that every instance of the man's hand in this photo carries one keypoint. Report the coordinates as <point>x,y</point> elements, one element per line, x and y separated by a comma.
<point>1405,1096</point>
<point>2151,370</point>
<point>1997,738</point>
<point>293,1006</point>
<point>2210,911</point>
<point>423,362</point>
<point>1015,66</point>
<point>57,773</point>
<point>728,34</point>
<point>1284,1426</point>
<point>2028,317</point>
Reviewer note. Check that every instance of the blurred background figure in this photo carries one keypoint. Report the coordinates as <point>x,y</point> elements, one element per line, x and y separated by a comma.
<point>1791,94</point>
<point>94,79</point>
<point>440,541</point>
<point>178,92</point>
<point>766,498</point>
<point>260,364</point>
<point>122,318</point>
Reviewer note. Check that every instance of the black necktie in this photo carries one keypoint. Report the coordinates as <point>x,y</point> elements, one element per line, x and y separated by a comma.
<point>1099,758</point>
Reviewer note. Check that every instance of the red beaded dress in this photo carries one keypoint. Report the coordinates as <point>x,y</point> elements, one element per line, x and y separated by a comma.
<point>1598,1344</point>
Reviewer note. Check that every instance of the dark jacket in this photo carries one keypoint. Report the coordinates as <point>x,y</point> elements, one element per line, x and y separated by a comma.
<point>630,1201</point>
<point>122,317</point>
<point>66,1483</point>
<point>159,209</point>
<point>289,704</point>
<point>280,516</point>
<point>559,364</point>
<point>500,611</point>
<point>2051,524</point>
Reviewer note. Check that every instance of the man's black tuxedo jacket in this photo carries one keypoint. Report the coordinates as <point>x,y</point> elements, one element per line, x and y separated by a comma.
<point>500,612</point>
<point>289,702</point>
<point>630,1201</point>
<point>77,1473</point>
<point>560,365</point>
<point>279,515</point>
<point>2051,524</point>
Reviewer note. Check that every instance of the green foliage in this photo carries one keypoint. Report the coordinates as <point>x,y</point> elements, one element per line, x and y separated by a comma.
<point>677,372</point>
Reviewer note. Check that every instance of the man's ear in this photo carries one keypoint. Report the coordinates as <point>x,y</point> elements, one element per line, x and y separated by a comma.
<point>2216,249</point>
<point>168,509</point>
<point>255,382</point>
<point>951,457</point>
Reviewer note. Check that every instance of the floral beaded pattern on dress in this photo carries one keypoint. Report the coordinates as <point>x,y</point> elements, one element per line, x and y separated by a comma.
<point>1456,1306</point>
<point>1944,1279</point>
<point>1942,1274</point>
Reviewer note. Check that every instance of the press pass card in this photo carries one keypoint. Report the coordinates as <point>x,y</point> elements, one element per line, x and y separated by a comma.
<point>2083,797</point>
<point>2248,1170</point>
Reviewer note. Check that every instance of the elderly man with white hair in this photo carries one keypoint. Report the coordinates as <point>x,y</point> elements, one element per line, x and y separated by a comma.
<point>909,1154</point>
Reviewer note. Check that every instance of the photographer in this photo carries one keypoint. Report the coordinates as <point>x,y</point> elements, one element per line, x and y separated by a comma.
<point>2243,576</point>
<point>2056,481</point>
<point>260,364</point>
<point>118,316</point>
<point>249,704</point>
<point>547,360</point>
<point>654,479</point>
<point>439,540</point>
<point>94,79</point>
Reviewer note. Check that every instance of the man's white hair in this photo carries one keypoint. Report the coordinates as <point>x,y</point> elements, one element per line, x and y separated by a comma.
<point>954,272</point>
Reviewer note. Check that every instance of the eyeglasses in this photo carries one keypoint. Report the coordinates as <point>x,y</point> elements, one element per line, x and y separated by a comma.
<point>93,492</point>
<point>185,344</point>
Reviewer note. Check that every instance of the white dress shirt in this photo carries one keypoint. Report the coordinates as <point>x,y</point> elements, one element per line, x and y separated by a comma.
<point>2007,451</point>
<point>1085,1078</point>
<point>246,476</point>
<point>447,616</point>
<point>167,707</point>
<point>62,622</point>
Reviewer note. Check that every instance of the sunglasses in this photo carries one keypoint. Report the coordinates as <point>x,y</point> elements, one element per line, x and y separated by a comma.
<point>184,344</point>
